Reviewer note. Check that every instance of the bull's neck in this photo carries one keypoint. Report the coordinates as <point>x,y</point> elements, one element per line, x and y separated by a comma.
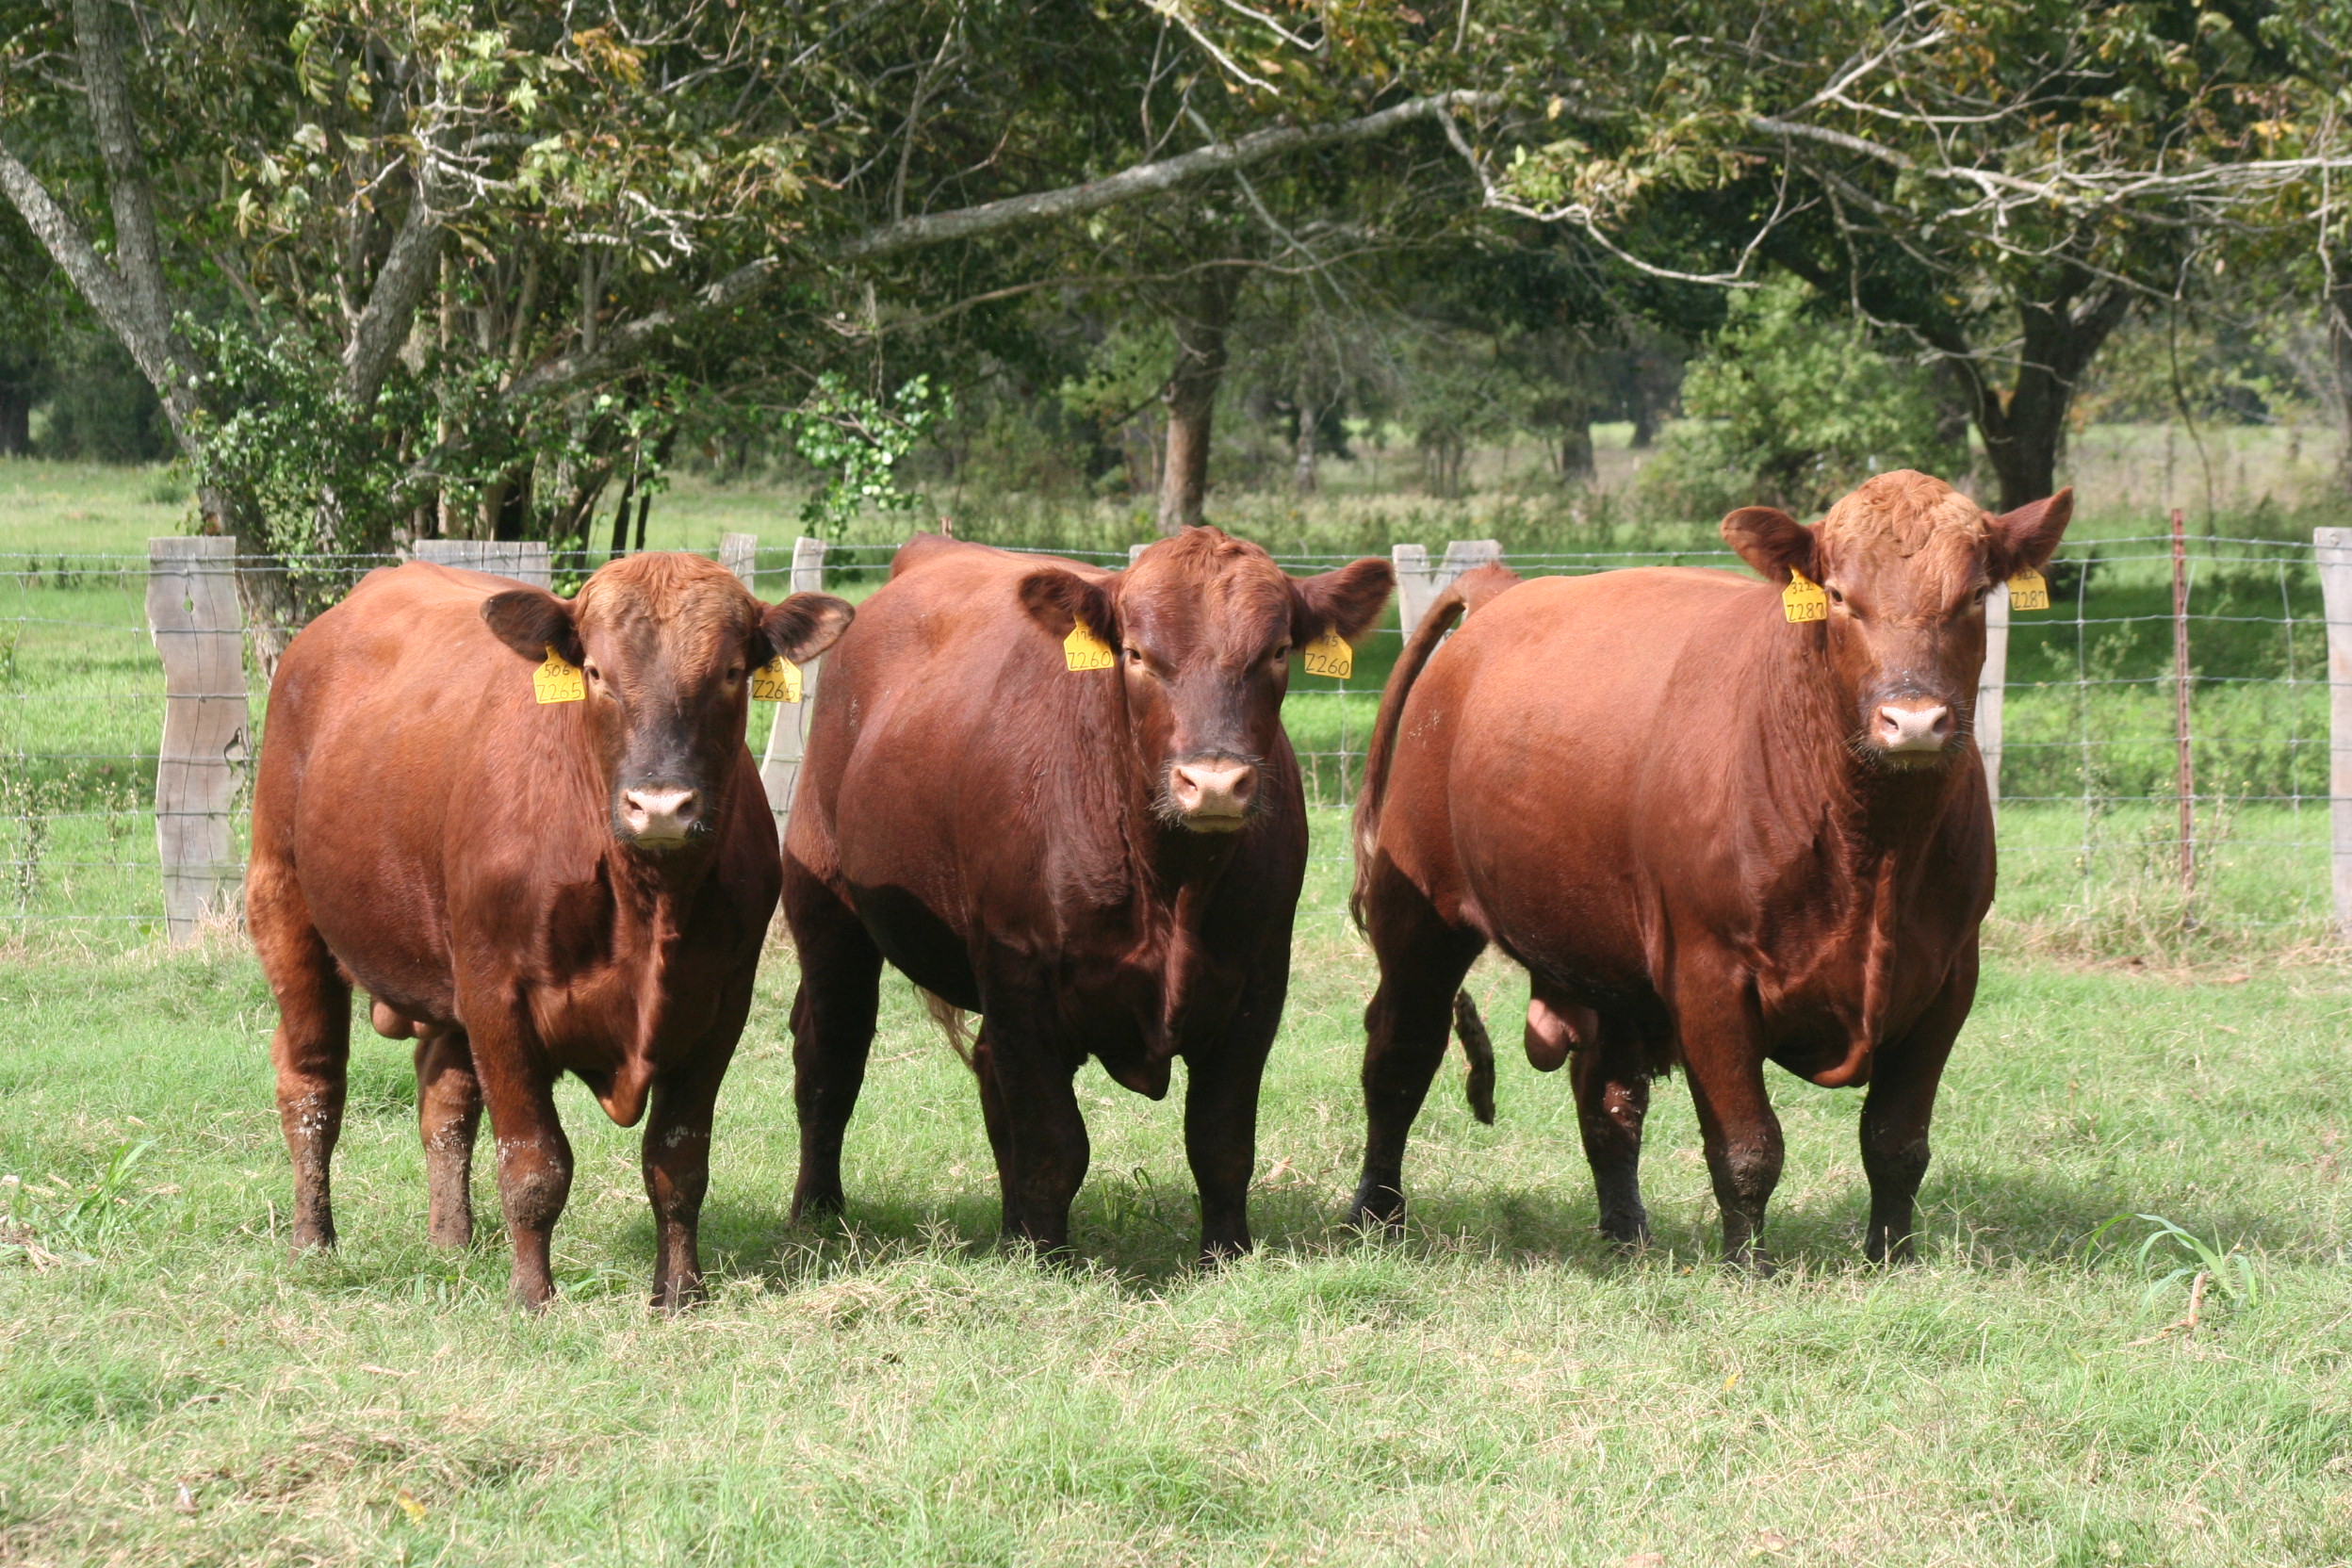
<point>1810,770</point>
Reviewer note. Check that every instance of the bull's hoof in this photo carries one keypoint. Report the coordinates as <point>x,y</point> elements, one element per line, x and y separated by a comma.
<point>1894,1254</point>
<point>1377,1206</point>
<point>316,1237</point>
<point>1627,1233</point>
<point>818,1205</point>
<point>673,1297</point>
<point>1754,1261</point>
<point>451,1235</point>
<point>1217,1254</point>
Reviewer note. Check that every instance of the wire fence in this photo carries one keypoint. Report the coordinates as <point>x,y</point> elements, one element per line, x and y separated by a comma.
<point>2096,852</point>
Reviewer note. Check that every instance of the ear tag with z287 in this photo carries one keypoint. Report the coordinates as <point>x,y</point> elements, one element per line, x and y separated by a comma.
<point>778,680</point>
<point>1803,599</point>
<point>1082,650</point>
<point>1330,655</point>
<point>2028,591</point>
<point>559,679</point>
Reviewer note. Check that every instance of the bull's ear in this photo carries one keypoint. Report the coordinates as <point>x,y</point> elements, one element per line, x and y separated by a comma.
<point>804,626</point>
<point>1058,600</point>
<point>2026,538</point>
<point>530,621</point>
<point>1772,542</point>
<point>1347,602</point>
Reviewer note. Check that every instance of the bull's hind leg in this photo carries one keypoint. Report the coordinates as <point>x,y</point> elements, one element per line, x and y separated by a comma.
<point>312,1046</point>
<point>1612,1084</point>
<point>1423,960</point>
<point>448,1118</point>
<point>833,1016</point>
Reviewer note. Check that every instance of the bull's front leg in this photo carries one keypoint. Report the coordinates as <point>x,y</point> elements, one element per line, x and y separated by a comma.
<point>1221,1132</point>
<point>1723,1050</point>
<point>1044,1151</point>
<point>1901,1104</point>
<point>678,1156</point>
<point>535,1156</point>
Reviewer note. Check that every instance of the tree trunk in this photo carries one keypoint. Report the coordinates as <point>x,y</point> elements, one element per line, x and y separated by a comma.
<point>1575,450</point>
<point>1201,319</point>
<point>16,421</point>
<point>2025,430</point>
<point>2339,324</point>
<point>1302,466</point>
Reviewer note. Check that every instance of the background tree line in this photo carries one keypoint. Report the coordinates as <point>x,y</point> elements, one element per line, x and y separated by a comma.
<point>388,268</point>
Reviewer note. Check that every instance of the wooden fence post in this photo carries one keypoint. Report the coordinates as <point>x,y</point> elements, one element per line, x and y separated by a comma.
<point>1135,550</point>
<point>524,560</point>
<point>198,628</point>
<point>2334,550</point>
<point>1991,686</point>
<point>1418,583</point>
<point>779,771</point>
<point>739,553</point>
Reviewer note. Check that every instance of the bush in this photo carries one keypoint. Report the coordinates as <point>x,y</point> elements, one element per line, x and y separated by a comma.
<point>1791,410</point>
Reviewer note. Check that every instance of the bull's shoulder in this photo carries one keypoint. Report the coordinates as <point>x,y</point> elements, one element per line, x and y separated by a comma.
<point>933,554</point>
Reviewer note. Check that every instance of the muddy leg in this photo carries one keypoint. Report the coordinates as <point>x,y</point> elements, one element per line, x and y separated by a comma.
<point>1612,1097</point>
<point>535,1156</point>
<point>1422,962</point>
<point>449,1113</point>
<point>1723,1051</point>
<point>1895,1117</point>
<point>678,1160</point>
<point>840,979</point>
<point>312,1046</point>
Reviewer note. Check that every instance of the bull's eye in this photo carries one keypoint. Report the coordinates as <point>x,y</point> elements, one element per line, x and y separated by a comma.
<point>1982,589</point>
<point>1837,596</point>
<point>593,674</point>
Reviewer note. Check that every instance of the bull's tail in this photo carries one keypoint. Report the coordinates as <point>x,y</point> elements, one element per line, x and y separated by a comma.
<point>1478,1087</point>
<point>953,1022</point>
<point>1466,593</point>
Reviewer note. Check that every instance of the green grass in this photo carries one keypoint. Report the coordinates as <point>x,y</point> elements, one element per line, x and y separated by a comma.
<point>1498,1386</point>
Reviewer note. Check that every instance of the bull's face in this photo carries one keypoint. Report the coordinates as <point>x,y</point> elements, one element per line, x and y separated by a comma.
<point>1203,625</point>
<point>668,644</point>
<point>1907,563</point>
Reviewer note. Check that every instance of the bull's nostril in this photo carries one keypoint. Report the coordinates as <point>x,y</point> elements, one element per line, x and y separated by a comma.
<point>660,814</point>
<point>1922,729</point>
<point>1212,792</point>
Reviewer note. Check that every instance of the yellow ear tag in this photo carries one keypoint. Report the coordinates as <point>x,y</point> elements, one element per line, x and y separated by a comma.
<point>1803,599</point>
<point>778,680</point>
<point>1330,655</point>
<point>558,680</point>
<point>1082,650</point>
<point>2028,591</point>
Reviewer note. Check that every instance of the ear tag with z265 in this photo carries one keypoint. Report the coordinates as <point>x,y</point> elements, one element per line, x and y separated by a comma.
<point>2028,591</point>
<point>1082,650</point>
<point>1803,599</point>
<point>1330,655</point>
<point>778,680</point>
<point>559,679</point>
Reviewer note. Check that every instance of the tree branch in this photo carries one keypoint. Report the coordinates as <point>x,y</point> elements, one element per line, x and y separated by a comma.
<point>626,342</point>
<point>410,267</point>
<point>137,246</point>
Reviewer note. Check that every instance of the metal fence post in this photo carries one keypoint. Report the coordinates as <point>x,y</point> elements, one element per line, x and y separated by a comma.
<point>1991,686</point>
<point>2334,550</point>
<point>524,560</point>
<point>199,629</point>
<point>779,771</point>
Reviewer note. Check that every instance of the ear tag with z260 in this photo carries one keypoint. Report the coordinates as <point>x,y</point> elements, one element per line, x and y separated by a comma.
<point>2028,591</point>
<point>1803,599</point>
<point>559,679</point>
<point>778,680</point>
<point>1330,655</point>
<point>1082,650</point>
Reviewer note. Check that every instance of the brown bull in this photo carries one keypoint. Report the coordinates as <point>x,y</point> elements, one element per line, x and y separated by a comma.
<point>525,889</point>
<point>1711,836</point>
<point>1101,861</point>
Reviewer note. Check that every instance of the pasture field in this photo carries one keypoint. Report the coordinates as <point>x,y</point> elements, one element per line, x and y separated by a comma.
<point>1498,1386</point>
<point>2050,1385</point>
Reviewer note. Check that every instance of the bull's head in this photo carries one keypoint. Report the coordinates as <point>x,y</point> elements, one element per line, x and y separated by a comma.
<point>668,644</point>
<point>1204,625</point>
<point>1907,563</point>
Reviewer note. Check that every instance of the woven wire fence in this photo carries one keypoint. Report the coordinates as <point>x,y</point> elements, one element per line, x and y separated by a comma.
<point>2090,820</point>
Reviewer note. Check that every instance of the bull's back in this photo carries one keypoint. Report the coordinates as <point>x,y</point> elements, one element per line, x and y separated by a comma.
<point>1532,746</point>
